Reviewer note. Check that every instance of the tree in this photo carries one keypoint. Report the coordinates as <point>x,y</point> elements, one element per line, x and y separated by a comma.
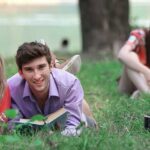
<point>104,24</point>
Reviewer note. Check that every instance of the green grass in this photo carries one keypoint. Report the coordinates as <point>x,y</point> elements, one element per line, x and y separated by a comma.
<point>120,119</point>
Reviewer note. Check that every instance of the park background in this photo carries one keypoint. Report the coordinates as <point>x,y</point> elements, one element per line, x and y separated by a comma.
<point>51,20</point>
<point>120,119</point>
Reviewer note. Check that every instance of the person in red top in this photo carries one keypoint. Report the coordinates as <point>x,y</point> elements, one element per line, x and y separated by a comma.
<point>135,55</point>
<point>4,93</point>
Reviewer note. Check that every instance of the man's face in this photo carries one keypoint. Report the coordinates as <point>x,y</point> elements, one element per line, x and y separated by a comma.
<point>36,73</point>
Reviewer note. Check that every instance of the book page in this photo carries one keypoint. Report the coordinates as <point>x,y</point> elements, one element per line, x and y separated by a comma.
<point>49,119</point>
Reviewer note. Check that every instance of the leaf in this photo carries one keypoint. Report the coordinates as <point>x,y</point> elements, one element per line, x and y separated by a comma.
<point>38,118</point>
<point>11,113</point>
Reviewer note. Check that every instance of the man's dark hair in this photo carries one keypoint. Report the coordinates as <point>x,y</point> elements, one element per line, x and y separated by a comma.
<point>31,50</point>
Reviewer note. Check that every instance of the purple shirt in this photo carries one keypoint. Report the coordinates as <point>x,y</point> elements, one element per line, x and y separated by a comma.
<point>65,91</point>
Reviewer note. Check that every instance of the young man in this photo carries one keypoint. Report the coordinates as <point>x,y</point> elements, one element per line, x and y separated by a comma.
<point>40,89</point>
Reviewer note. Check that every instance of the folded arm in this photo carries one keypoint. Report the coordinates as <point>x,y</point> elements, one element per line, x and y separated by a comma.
<point>130,59</point>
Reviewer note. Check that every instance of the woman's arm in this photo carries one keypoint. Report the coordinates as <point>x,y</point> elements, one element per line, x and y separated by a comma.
<point>131,60</point>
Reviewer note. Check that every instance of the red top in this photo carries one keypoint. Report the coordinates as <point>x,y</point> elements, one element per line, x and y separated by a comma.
<point>5,101</point>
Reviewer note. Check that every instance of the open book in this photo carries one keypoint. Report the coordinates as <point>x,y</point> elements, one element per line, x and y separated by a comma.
<point>55,120</point>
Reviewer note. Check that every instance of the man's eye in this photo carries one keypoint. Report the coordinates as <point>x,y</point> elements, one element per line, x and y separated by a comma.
<point>42,67</point>
<point>28,69</point>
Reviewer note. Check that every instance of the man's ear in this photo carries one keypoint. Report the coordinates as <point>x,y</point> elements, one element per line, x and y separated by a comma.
<point>21,73</point>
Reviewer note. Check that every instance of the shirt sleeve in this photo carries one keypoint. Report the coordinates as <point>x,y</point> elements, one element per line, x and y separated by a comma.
<point>73,104</point>
<point>18,116</point>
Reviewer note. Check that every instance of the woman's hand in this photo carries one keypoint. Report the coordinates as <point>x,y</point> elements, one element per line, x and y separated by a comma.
<point>140,36</point>
<point>3,117</point>
<point>3,120</point>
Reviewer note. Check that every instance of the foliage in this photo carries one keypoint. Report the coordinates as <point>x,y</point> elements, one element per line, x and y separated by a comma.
<point>11,113</point>
<point>10,67</point>
<point>120,119</point>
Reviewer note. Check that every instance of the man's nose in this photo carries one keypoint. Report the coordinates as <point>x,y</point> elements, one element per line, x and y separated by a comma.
<point>36,74</point>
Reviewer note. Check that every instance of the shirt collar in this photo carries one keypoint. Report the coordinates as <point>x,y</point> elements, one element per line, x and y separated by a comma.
<point>26,91</point>
<point>53,90</point>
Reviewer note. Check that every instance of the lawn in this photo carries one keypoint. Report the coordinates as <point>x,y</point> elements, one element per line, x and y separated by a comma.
<point>120,119</point>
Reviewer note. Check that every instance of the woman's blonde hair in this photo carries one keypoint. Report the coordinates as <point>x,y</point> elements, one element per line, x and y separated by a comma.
<point>2,78</point>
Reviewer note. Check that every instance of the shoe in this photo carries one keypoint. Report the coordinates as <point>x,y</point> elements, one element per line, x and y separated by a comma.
<point>73,65</point>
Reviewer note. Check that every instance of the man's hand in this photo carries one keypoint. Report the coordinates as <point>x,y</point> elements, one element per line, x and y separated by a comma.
<point>71,131</point>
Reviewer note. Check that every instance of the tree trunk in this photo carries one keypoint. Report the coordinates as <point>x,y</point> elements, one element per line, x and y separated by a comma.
<point>104,24</point>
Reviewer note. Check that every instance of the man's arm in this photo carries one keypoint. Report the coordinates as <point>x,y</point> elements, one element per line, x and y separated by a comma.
<point>73,104</point>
